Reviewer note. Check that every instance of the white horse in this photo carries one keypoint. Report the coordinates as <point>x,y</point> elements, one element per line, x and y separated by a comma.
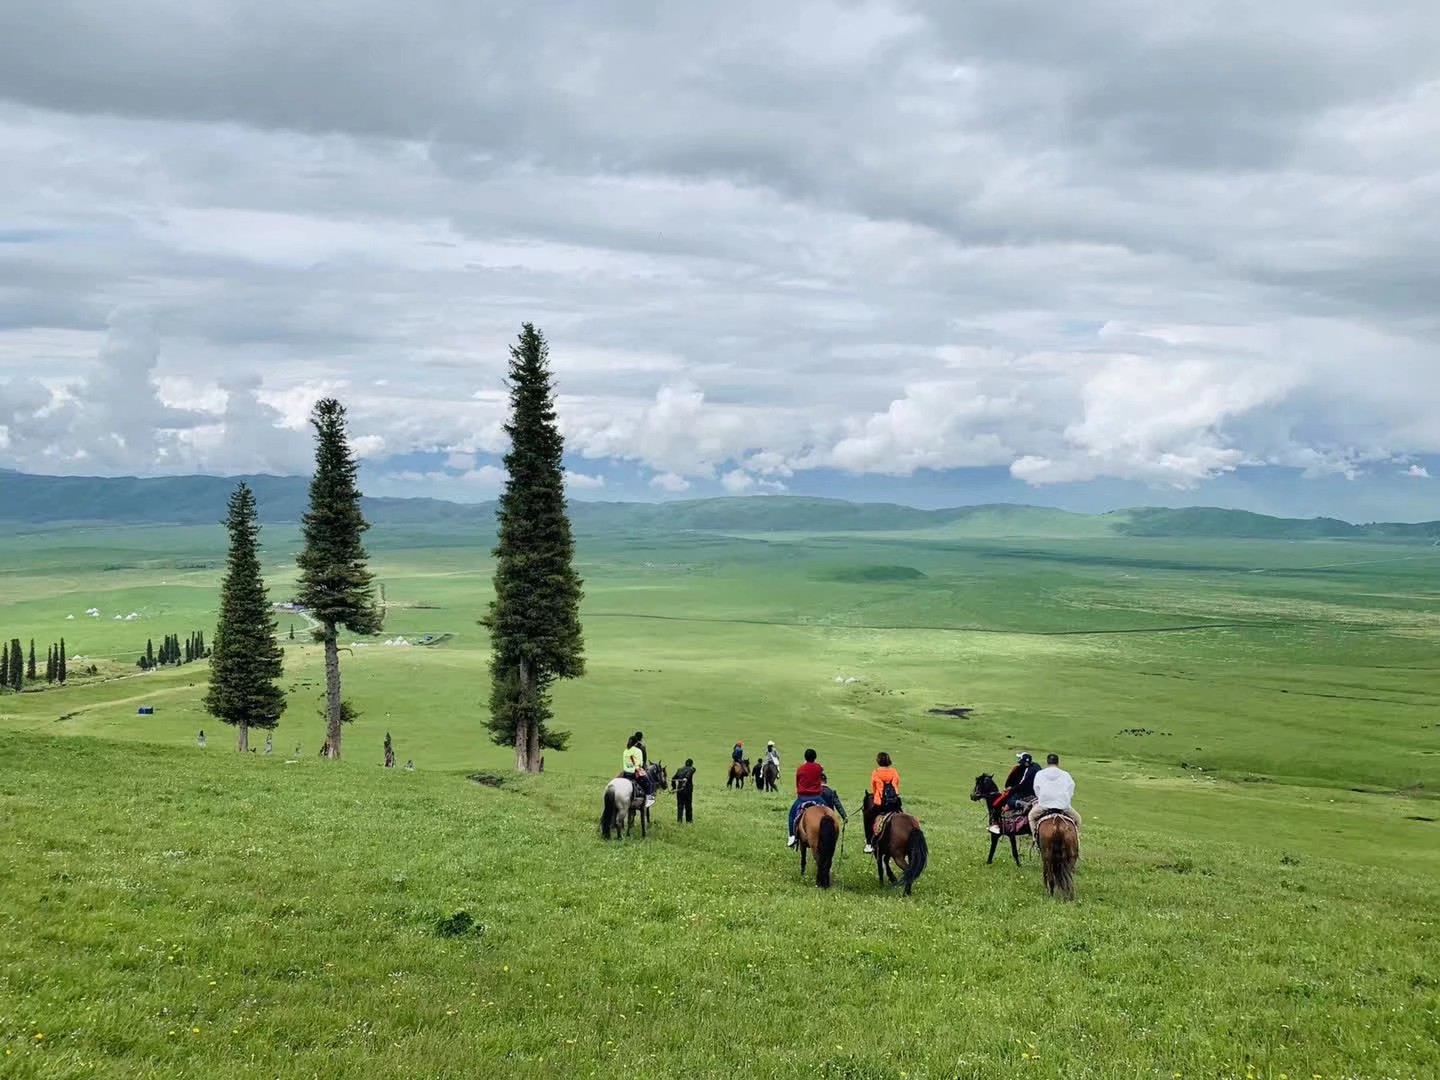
<point>624,799</point>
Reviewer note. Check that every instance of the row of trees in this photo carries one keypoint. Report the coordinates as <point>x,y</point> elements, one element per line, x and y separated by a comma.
<point>171,651</point>
<point>12,665</point>
<point>56,663</point>
<point>16,670</point>
<point>534,620</point>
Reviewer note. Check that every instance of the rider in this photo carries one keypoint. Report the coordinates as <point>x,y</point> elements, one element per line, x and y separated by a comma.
<point>633,769</point>
<point>1054,788</point>
<point>884,795</point>
<point>644,753</point>
<point>1021,781</point>
<point>738,752</point>
<point>832,797</point>
<point>1019,787</point>
<point>771,754</point>
<point>809,789</point>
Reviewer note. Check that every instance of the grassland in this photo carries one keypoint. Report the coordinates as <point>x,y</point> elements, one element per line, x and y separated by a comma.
<point>1252,725</point>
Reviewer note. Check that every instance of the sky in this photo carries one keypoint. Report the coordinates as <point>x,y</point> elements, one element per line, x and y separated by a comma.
<point>1090,255</point>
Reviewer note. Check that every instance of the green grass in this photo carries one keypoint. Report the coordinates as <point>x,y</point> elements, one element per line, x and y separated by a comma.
<point>1242,908</point>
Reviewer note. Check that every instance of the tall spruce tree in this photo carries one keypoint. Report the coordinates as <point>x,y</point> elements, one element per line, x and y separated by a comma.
<point>335,584</point>
<point>247,658</point>
<point>60,671</point>
<point>149,653</point>
<point>17,665</point>
<point>50,664</point>
<point>31,672</point>
<point>4,667</point>
<point>534,620</point>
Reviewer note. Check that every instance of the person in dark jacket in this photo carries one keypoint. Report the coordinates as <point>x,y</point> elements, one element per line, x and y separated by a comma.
<point>683,784</point>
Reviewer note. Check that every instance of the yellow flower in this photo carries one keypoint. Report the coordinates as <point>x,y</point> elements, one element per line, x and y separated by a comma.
<point>195,1031</point>
<point>39,1035</point>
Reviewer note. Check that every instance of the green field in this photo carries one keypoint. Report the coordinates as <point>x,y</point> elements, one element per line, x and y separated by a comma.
<point>1254,728</point>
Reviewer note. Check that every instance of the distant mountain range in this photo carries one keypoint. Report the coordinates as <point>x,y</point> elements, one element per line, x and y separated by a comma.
<point>30,500</point>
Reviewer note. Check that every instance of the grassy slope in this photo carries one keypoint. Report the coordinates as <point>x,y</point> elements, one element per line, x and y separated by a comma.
<point>308,895</point>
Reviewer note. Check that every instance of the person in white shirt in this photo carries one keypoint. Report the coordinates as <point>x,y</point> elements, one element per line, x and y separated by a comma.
<point>1054,788</point>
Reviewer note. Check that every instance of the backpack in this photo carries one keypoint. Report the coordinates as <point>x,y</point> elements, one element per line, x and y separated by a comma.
<point>889,797</point>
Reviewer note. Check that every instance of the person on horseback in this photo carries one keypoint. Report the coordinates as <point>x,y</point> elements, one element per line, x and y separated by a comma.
<point>644,753</point>
<point>738,752</point>
<point>633,769</point>
<point>1054,788</point>
<point>884,794</point>
<point>809,790</point>
<point>771,754</point>
<point>832,797</point>
<point>1019,785</point>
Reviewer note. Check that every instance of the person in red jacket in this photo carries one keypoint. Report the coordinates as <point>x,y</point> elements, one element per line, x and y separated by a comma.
<point>809,789</point>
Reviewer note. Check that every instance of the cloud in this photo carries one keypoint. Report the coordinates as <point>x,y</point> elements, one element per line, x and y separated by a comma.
<point>582,482</point>
<point>880,238</point>
<point>740,482</point>
<point>1418,471</point>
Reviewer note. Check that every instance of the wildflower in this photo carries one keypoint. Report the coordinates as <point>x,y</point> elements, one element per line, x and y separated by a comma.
<point>39,1035</point>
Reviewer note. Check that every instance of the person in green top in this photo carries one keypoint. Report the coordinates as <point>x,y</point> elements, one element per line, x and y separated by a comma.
<point>633,769</point>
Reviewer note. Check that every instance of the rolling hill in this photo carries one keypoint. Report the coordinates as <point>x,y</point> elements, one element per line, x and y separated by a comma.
<point>31,501</point>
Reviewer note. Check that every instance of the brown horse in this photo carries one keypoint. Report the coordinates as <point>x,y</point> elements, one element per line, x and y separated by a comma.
<point>818,829</point>
<point>738,771</point>
<point>902,841</point>
<point>1059,843</point>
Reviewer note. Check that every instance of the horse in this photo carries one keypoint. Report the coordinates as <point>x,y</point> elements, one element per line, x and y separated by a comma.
<point>987,789</point>
<point>1059,843</point>
<point>738,771</point>
<point>900,840</point>
<point>624,799</point>
<point>766,776</point>
<point>818,829</point>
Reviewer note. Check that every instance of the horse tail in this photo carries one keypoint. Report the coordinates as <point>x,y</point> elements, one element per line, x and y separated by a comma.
<point>829,835</point>
<point>917,854</point>
<point>1058,845</point>
<point>607,812</point>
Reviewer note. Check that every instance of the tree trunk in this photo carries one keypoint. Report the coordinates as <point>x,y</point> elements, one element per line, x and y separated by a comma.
<point>244,743</point>
<point>527,734</point>
<point>332,690</point>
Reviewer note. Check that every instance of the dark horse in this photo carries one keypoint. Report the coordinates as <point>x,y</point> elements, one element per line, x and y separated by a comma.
<point>987,789</point>
<point>738,771</point>
<point>1059,843</point>
<point>766,774</point>
<point>624,799</point>
<point>818,829</point>
<point>900,840</point>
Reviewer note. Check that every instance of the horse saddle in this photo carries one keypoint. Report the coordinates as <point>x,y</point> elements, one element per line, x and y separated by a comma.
<point>1046,814</point>
<point>881,824</point>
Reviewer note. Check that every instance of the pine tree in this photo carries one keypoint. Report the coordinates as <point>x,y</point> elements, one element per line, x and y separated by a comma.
<point>31,672</point>
<point>335,583</point>
<point>247,658</point>
<point>149,654</point>
<point>17,665</point>
<point>4,667</point>
<point>50,664</point>
<point>534,620</point>
<point>190,648</point>
<point>60,662</point>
